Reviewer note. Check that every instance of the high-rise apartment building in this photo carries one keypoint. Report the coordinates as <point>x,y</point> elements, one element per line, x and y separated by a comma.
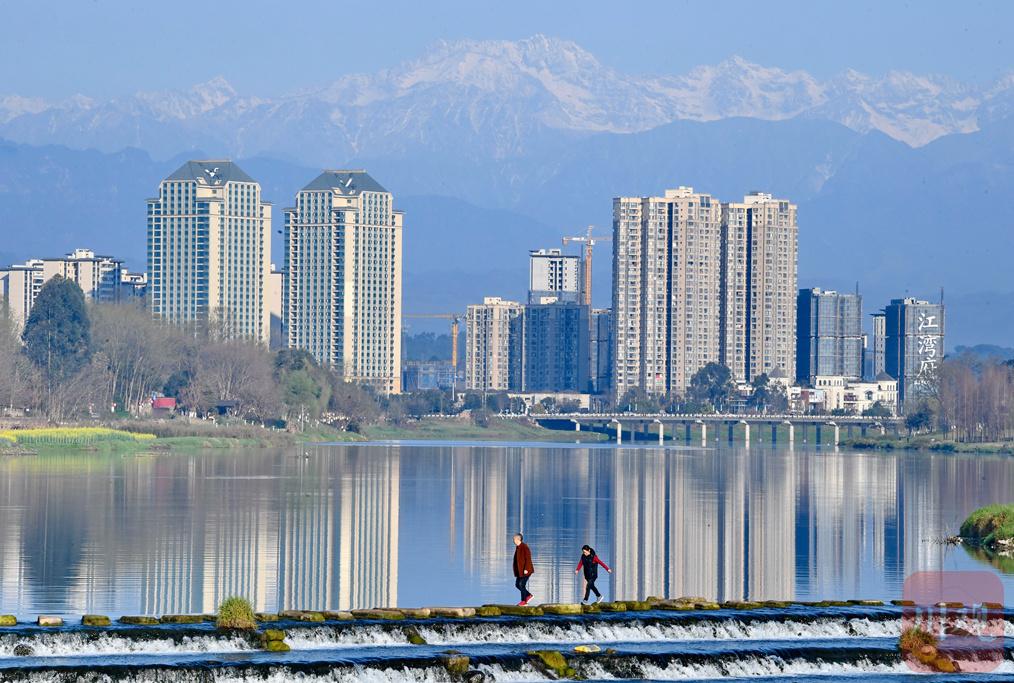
<point>879,344</point>
<point>342,288</point>
<point>601,350</point>
<point>494,341</point>
<point>667,266</point>
<point>99,277</point>
<point>556,354</point>
<point>696,282</point>
<point>551,273</point>
<point>829,335</point>
<point>209,251</point>
<point>913,346</point>
<point>759,255</point>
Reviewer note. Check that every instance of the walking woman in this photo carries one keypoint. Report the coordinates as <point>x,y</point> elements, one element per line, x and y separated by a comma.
<point>591,563</point>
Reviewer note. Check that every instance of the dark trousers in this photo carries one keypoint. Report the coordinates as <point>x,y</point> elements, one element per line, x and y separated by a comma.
<point>521,583</point>
<point>589,587</point>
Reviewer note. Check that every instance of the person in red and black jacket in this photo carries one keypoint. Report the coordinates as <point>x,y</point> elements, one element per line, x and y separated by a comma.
<point>523,568</point>
<point>591,563</point>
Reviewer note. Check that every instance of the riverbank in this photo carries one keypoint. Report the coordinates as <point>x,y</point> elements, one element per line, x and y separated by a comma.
<point>463,429</point>
<point>933,443</point>
<point>140,436</point>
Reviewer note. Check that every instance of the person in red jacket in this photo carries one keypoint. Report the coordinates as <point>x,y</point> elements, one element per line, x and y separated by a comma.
<point>591,563</point>
<point>523,568</point>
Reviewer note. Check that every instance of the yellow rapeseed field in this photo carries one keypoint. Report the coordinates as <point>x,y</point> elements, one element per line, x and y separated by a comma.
<point>70,435</point>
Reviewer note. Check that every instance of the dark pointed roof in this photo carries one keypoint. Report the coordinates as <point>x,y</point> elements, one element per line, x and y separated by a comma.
<point>884,377</point>
<point>348,182</point>
<point>777,373</point>
<point>211,172</point>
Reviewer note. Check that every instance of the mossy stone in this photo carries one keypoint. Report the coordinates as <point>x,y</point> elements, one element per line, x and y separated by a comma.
<point>521,611</point>
<point>562,608</point>
<point>707,605</point>
<point>488,611</point>
<point>867,603</point>
<point>778,604</point>
<point>314,617</point>
<point>903,603</point>
<point>269,634</point>
<point>413,636</point>
<point>338,616</point>
<point>613,606</point>
<point>456,665</point>
<point>415,612</point>
<point>552,662</point>
<point>139,620</point>
<point>277,646</point>
<point>741,604</point>
<point>182,619</point>
<point>452,612</point>
<point>638,606</point>
<point>266,617</point>
<point>8,620</point>
<point>591,609</point>
<point>377,614</point>
<point>95,620</point>
<point>832,603</point>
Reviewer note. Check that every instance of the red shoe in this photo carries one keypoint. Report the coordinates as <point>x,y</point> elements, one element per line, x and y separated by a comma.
<point>525,601</point>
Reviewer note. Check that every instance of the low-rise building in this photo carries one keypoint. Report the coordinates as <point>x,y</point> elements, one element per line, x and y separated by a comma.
<point>855,398</point>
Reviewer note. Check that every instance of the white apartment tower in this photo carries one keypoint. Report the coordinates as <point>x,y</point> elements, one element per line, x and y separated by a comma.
<point>209,251</point>
<point>759,253</point>
<point>342,288</point>
<point>493,345</point>
<point>666,294</point>
<point>697,282</point>
<point>99,277</point>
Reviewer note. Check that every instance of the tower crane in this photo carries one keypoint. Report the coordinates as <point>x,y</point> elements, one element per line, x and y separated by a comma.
<point>589,241</point>
<point>455,319</point>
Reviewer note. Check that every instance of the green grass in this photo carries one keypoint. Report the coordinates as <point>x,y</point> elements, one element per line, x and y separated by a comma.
<point>236,612</point>
<point>461,430</point>
<point>935,443</point>
<point>989,525</point>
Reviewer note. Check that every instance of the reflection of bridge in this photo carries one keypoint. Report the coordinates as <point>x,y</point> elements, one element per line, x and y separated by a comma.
<point>696,427</point>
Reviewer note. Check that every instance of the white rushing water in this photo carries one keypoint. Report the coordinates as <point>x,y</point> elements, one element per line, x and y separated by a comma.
<point>82,645</point>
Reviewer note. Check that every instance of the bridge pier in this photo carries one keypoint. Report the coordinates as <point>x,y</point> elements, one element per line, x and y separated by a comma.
<point>774,433</point>
<point>792,433</point>
<point>619,431</point>
<point>577,425</point>
<point>687,432</point>
<point>837,433</point>
<point>818,436</point>
<point>704,432</point>
<point>661,431</point>
<point>746,434</point>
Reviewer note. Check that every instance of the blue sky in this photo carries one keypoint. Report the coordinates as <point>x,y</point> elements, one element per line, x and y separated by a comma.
<point>115,47</point>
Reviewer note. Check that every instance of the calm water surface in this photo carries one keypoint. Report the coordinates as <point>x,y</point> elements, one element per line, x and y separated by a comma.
<point>349,526</point>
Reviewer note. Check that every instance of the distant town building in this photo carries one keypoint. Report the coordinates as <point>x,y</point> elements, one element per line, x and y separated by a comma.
<point>879,364</point>
<point>759,254</point>
<point>342,288</point>
<point>829,335</point>
<point>913,346</point>
<point>556,354</point>
<point>133,286</point>
<point>423,375</point>
<point>99,277</point>
<point>601,350</point>
<point>697,282</point>
<point>855,397</point>
<point>494,341</point>
<point>209,250</point>
<point>553,273</point>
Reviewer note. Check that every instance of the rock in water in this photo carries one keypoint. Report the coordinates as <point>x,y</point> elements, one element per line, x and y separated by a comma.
<point>23,650</point>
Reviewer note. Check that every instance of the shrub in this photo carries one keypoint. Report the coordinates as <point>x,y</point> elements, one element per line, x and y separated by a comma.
<point>71,435</point>
<point>990,524</point>
<point>914,638</point>
<point>236,612</point>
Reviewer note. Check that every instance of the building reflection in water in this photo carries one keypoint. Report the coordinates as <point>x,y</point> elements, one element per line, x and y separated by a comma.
<point>331,527</point>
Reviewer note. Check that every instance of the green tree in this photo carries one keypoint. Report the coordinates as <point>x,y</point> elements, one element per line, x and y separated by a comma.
<point>304,385</point>
<point>712,385</point>
<point>878,409</point>
<point>636,400</point>
<point>920,418</point>
<point>58,333</point>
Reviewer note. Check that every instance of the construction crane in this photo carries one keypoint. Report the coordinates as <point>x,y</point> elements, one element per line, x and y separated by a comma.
<point>588,240</point>
<point>455,319</point>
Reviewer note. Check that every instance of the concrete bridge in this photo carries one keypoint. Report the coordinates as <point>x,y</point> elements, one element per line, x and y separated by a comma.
<point>692,428</point>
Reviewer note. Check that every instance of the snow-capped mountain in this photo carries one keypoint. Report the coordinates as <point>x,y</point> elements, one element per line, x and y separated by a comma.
<point>496,99</point>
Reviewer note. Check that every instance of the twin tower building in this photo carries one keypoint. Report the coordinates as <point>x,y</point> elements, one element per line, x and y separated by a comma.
<point>209,265</point>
